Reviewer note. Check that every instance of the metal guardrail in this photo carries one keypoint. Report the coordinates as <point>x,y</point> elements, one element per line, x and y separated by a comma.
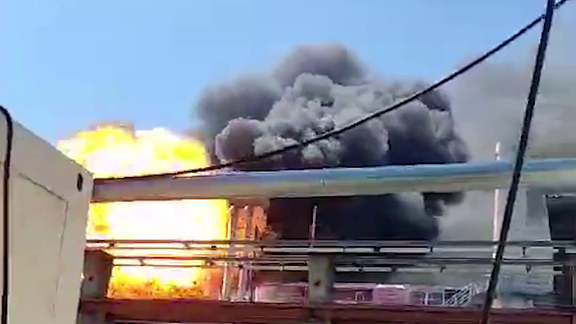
<point>463,296</point>
<point>357,261</point>
<point>204,311</point>
<point>292,255</point>
<point>289,247</point>
<point>320,245</point>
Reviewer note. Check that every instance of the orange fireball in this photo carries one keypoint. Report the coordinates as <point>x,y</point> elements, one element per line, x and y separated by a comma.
<point>110,150</point>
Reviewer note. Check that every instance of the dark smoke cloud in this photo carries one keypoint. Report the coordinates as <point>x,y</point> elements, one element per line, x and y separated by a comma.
<point>246,97</point>
<point>489,104</point>
<point>495,94</point>
<point>318,88</point>
<point>330,60</point>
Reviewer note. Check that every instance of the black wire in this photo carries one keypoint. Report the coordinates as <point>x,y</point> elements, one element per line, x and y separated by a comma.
<point>522,146</point>
<point>254,157</point>
<point>6,213</point>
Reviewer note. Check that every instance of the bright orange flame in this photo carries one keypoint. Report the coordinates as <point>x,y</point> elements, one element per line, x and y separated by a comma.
<point>115,151</point>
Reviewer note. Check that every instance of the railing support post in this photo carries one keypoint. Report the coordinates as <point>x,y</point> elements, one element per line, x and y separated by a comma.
<point>96,277</point>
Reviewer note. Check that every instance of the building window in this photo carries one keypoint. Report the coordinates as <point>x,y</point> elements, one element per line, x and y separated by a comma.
<point>363,296</point>
<point>417,298</point>
<point>436,299</point>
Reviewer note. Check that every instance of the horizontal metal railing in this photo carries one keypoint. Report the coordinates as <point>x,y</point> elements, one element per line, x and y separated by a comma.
<point>358,261</point>
<point>358,255</point>
<point>184,244</point>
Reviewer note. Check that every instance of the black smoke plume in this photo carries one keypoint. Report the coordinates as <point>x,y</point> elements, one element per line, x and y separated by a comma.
<point>489,103</point>
<point>318,88</point>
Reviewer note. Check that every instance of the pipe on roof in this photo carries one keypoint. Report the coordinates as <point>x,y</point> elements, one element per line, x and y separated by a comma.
<point>547,174</point>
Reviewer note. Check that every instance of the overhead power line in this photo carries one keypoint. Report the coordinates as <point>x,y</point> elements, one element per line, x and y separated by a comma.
<point>257,157</point>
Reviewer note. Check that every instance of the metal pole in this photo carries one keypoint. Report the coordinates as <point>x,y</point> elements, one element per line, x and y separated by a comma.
<point>523,144</point>
<point>312,233</point>
<point>245,272</point>
<point>496,217</point>
<point>227,277</point>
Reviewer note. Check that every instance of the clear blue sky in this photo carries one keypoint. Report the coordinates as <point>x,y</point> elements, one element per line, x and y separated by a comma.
<point>68,63</point>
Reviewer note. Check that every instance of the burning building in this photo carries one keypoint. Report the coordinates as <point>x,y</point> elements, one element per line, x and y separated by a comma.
<point>315,89</point>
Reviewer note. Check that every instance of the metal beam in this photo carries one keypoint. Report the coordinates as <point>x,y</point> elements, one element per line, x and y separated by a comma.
<point>150,261</point>
<point>421,269</point>
<point>232,231</point>
<point>206,311</point>
<point>375,245</point>
<point>550,174</point>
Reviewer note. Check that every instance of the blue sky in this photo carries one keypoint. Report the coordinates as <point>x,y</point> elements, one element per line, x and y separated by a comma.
<point>67,64</point>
